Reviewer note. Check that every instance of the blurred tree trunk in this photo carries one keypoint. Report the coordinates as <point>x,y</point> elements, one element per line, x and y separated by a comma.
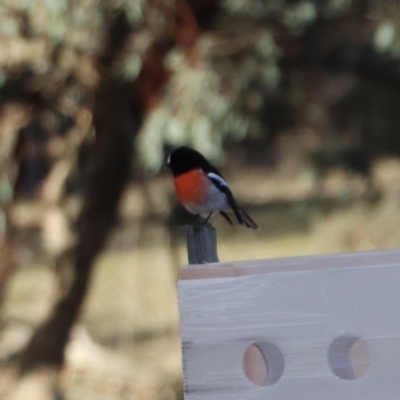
<point>117,118</point>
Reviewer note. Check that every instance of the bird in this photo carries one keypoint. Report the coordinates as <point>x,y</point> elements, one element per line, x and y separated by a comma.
<point>201,188</point>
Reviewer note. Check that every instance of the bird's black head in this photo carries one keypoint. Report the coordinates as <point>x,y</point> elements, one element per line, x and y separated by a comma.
<point>184,159</point>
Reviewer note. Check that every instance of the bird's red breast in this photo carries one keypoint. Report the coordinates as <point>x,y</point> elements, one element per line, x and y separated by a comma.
<point>191,187</point>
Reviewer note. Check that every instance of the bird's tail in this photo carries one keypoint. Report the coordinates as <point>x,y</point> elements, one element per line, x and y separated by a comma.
<point>247,220</point>
<point>244,218</point>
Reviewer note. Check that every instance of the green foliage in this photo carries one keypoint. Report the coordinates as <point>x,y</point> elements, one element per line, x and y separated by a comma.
<point>256,51</point>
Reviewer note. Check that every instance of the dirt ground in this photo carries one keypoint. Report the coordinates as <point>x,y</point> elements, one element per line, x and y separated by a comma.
<point>126,345</point>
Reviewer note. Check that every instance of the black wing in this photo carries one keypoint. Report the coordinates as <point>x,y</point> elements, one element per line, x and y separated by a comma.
<point>242,217</point>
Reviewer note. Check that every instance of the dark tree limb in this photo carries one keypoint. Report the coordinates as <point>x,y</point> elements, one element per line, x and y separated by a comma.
<point>117,118</point>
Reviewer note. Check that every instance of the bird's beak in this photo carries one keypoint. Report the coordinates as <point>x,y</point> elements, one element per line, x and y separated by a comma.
<point>165,166</point>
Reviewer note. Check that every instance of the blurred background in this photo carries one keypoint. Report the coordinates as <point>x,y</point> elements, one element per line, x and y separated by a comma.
<point>298,102</point>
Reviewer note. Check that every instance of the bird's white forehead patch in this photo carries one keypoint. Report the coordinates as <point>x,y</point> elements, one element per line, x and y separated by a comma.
<point>217,178</point>
<point>169,159</point>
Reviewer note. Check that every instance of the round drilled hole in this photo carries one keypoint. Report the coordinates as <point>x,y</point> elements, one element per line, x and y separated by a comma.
<point>348,357</point>
<point>263,363</point>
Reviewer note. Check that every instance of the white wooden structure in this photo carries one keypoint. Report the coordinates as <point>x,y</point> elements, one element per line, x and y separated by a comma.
<point>306,328</point>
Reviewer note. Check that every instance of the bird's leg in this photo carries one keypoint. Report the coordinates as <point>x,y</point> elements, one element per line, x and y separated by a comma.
<point>209,216</point>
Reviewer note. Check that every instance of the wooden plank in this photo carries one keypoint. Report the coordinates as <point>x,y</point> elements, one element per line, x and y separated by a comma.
<point>240,268</point>
<point>300,314</point>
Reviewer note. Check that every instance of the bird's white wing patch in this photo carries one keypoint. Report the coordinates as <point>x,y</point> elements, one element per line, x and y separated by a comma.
<point>217,179</point>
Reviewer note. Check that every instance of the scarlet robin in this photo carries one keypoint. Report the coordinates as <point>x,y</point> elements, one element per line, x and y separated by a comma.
<point>200,187</point>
